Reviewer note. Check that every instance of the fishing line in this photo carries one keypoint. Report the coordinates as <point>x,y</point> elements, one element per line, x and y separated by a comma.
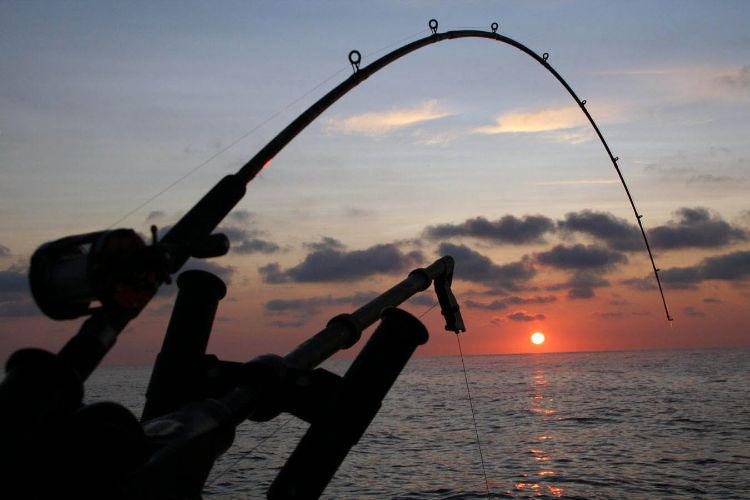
<point>433,306</point>
<point>226,148</point>
<point>473,417</point>
<point>246,453</point>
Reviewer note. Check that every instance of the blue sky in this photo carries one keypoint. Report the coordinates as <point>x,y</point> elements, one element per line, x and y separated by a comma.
<point>104,104</point>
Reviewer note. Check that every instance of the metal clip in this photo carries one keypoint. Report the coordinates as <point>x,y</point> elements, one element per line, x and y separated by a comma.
<point>494,27</point>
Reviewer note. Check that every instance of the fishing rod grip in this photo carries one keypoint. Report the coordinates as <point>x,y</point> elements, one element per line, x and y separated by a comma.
<point>202,219</point>
<point>327,442</point>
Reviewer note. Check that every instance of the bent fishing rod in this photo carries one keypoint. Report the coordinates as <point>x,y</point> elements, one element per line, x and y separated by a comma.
<point>117,269</point>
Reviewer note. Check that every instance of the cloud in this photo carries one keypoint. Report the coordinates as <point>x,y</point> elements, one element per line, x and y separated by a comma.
<point>4,251</point>
<point>256,246</point>
<point>693,312</point>
<point>507,229</point>
<point>13,281</point>
<point>246,241</point>
<point>473,266</point>
<point>619,315</point>
<point>329,261</point>
<point>223,272</point>
<point>540,120</point>
<point>696,228</point>
<point>240,215</point>
<point>311,305</point>
<point>18,309</point>
<point>423,299</point>
<point>712,300</point>
<point>288,324</point>
<point>580,257</point>
<point>15,296</point>
<point>734,267</point>
<point>738,79</point>
<point>616,233</point>
<point>379,123</point>
<point>643,284</point>
<point>498,305</point>
<point>581,285</point>
<point>154,215</point>
<point>713,179</point>
<point>523,316</point>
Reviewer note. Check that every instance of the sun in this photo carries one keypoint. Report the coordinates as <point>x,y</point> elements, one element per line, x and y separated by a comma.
<point>537,338</point>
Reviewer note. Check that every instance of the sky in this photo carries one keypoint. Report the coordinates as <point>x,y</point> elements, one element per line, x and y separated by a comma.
<point>467,148</point>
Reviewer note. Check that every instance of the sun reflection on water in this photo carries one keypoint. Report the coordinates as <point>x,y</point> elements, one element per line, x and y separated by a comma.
<point>539,405</point>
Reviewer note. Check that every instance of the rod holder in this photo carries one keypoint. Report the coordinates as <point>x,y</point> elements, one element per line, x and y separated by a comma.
<point>327,442</point>
<point>177,377</point>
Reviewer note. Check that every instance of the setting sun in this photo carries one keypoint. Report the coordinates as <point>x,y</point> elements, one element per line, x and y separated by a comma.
<point>537,338</point>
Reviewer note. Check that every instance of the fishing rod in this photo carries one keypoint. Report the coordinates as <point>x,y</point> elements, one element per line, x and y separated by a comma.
<point>123,273</point>
<point>112,275</point>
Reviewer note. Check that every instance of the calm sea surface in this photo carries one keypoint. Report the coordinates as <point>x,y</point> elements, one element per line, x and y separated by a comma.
<point>640,424</point>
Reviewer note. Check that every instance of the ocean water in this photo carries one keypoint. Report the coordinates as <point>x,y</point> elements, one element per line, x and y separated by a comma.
<point>639,424</point>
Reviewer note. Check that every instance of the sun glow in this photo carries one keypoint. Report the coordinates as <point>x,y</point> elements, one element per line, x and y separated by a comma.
<point>537,338</point>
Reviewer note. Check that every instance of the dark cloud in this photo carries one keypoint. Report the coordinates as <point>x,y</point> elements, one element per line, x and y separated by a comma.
<point>498,305</point>
<point>15,296</point>
<point>712,300</point>
<point>312,305</point>
<point>525,317</point>
<point>288,324</point>
<point>693,312</point>
<point>326,243</point>
<point>240,215</point>
<point>18,309</point>
<point>330,262</point>
<point>256,246</point>
<point>13,281</point>
<point>647,283</point>
<point>609,315</point>
<point>618,314</point>
<point>616,233</point>
<point>581,285</point>
<point>733,267</point>
<point>423,299</point>
<point>695,228</point>
<point>495,305</point>
<point>580,257</point>
<point>4,251</point>
<point>223,272</point>
<point>245,241</point>
<point>507,229</point>
<point>739,80</point>
<point>473,266</point>
<point>155,214</point>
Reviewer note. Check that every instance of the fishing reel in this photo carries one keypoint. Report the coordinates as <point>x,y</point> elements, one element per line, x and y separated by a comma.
<point>115,268</point>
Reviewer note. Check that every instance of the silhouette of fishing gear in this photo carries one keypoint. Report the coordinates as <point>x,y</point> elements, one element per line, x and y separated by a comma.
<point>195,401</point>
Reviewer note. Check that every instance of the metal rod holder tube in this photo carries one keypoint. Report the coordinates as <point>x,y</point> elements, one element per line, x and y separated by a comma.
<point>327,442</point>
<point>177,372</point>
